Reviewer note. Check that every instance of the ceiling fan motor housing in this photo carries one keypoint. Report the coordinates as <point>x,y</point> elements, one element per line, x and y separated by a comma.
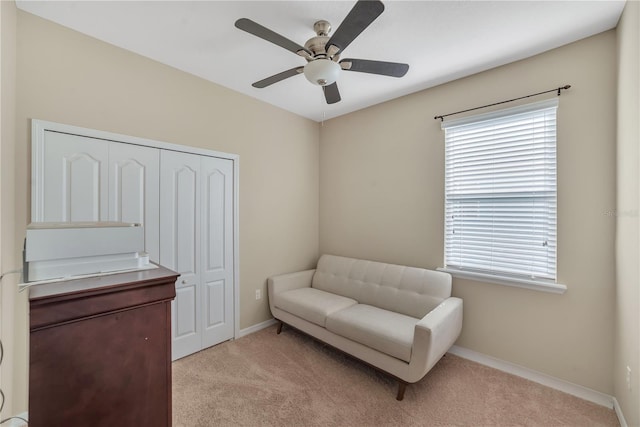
<point>317,45</point>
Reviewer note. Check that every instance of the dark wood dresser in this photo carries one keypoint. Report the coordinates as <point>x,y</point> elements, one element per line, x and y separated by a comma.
<point>100,351</point>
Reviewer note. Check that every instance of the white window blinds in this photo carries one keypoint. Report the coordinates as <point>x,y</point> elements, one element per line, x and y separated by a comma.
<point>500,192</point>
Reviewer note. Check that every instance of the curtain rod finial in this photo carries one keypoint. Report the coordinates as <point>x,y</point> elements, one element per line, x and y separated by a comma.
<point>563,88</point>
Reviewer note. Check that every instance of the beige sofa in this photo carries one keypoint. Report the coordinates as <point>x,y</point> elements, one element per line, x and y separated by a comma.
<point>399,319</point>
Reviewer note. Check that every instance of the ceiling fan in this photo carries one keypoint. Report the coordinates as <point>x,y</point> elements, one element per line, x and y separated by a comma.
<point>323,52</point>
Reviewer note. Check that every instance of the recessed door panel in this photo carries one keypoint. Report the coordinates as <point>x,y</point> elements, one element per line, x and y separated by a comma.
<point>81,188</point>
<point>129,186</point>
<point>185,225</point>
<point>185,319</point>
<point>134,190</point>
<point>215,227</point>
<point>74,183</point>
<point>185,330</point>
<point>214,294</point>
<point>180,212</point>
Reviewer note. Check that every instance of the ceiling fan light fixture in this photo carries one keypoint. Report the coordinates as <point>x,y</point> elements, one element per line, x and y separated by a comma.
<point>322,72</point>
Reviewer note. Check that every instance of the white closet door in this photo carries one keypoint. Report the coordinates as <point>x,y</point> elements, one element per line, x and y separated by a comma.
<point>73,185</point>
<point>180,245</point>
<point>134,190</point>
<point>217,250</point>
<point>184,200</point>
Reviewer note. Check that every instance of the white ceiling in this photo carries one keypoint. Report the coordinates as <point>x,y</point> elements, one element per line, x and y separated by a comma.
<point>440,40</point>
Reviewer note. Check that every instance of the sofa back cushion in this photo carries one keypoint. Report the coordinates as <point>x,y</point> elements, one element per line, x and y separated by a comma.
<point>407,290</point>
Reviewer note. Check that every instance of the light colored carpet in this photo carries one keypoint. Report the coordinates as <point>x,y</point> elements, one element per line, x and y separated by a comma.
<point>265,379</point>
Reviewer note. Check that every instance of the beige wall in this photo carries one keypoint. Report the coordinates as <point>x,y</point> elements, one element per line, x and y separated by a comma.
<point>70,78</point>
<point>8,258</point>
<point>381,198</point>
<point>627,321</point>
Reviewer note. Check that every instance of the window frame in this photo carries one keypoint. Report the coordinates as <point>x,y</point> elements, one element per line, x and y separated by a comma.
<point>516,280</point>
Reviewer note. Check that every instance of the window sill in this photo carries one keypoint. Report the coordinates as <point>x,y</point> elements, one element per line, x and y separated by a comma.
<point>531,284</point>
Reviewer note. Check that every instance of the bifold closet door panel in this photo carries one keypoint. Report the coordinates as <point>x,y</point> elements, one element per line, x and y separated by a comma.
<point>72,183</point>
<point>180,245</point>
<point>217,250</point>
<point>134,190</point>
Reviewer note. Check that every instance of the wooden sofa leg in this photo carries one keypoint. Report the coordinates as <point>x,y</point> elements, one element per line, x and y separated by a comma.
<point>279,327</point>
<point>402,386</point>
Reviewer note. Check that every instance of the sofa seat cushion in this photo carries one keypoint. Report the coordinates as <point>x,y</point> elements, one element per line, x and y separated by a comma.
<point>311,304</point>
<point>386,331</point>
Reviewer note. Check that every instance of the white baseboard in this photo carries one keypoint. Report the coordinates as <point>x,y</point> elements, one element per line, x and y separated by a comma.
<point>15,422</point>
<point>257,327</point>
<point>618,409</point>
<point>538,377</point>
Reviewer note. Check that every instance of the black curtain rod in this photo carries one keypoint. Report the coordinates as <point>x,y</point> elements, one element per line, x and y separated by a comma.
<point>565,87</point>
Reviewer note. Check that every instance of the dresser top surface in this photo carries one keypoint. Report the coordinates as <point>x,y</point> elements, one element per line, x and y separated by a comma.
<point>100,283</point>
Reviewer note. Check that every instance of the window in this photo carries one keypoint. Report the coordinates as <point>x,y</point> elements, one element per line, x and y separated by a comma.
<point>500,195</point>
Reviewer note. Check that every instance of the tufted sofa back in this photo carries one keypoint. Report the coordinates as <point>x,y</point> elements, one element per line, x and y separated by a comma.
<point>407,290</point>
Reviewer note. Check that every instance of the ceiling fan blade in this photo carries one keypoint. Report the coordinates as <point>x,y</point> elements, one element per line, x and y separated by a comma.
<point>278,77</point>
<point>393,69</point>
<point>360,17</point>
<point>258,30</point>
<point>331,93</point>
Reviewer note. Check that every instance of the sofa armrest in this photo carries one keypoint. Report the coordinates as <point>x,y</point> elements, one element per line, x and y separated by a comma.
<point>287,282</point>
<point>434,334</point>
